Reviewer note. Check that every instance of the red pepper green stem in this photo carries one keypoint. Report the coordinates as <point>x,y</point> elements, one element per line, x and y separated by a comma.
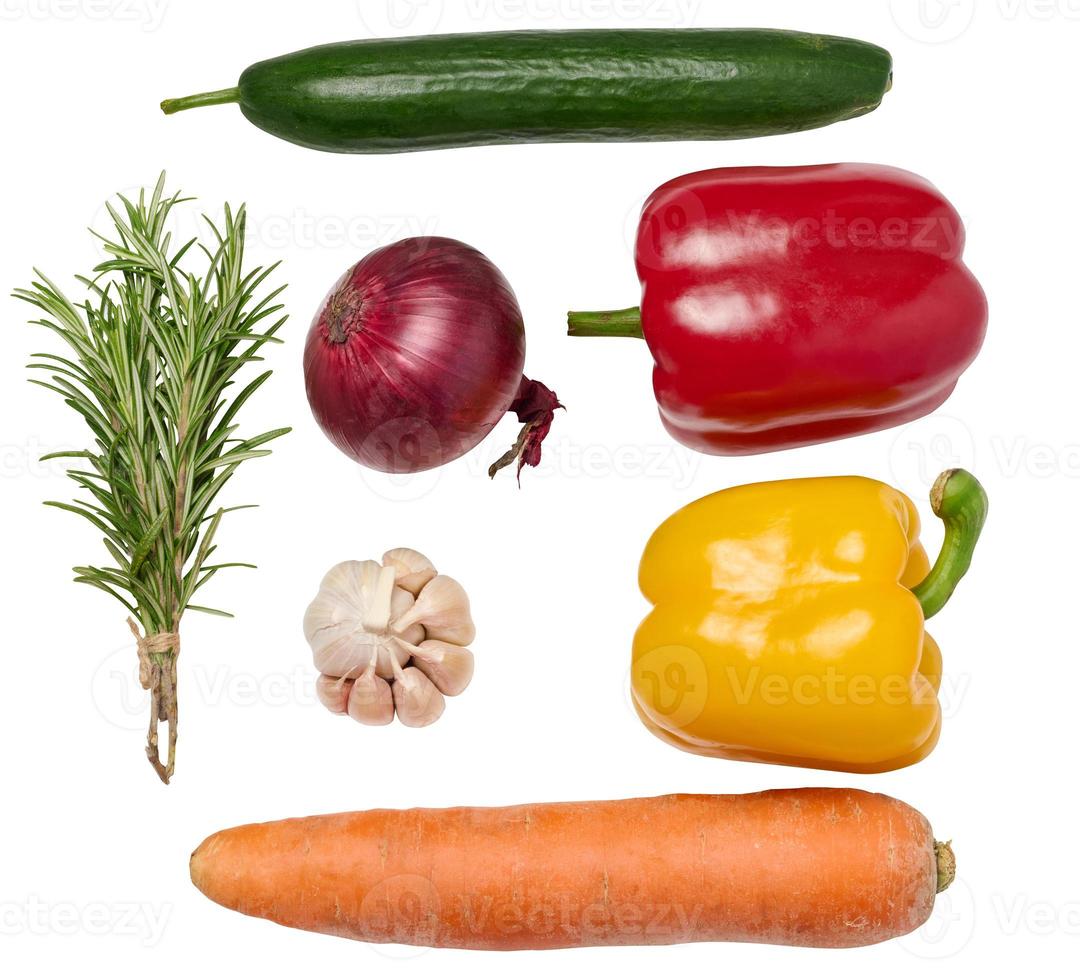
<point>606,323</point>
<point>220,97</point>
<point>960,501</point>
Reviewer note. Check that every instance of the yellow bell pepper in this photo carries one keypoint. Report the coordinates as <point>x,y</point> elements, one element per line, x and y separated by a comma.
<point>788,622</point>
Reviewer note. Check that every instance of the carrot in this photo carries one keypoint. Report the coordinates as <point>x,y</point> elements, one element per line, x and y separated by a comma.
<point>809,867</point>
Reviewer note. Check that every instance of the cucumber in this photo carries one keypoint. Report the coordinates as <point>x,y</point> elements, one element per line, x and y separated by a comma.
<point>426,93</point>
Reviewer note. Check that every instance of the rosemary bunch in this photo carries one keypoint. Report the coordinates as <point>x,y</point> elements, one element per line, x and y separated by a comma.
<point>155,354</point>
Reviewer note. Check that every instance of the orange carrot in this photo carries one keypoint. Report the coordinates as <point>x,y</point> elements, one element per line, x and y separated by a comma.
<point>809,867</point>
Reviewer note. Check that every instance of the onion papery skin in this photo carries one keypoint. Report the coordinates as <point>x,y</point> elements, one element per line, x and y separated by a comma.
<point>415,355</point>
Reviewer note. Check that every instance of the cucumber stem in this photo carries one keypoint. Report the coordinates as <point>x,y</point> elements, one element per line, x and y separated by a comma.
<point>220,97</point>
<point>606,323</point>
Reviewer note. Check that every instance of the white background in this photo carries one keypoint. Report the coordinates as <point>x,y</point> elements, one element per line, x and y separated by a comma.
<point>93,850</point>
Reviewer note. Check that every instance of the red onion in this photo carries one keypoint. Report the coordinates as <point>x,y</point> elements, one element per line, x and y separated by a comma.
<point>416,354</point>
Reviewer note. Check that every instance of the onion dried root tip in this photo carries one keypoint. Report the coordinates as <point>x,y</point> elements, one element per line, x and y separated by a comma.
<point>535,407</point>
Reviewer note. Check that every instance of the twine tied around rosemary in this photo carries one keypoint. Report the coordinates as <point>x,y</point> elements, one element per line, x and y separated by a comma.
<point>157,674</point>
<point>150,644</point>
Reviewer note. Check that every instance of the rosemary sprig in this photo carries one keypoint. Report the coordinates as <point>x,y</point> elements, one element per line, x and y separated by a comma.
<point>155,352</point>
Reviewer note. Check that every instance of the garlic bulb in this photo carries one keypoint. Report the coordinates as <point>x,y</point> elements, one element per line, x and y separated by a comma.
<point>390,637</point>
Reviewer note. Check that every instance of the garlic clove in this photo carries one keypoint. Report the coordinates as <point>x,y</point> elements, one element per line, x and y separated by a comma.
<point>417,700</point>
<point>413,570</point>
<point>333,692</point>
<point>371,701</point>
<point>449,667</point>
<point>442,608</point>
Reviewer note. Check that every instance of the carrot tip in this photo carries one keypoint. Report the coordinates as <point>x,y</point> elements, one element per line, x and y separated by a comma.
<point>946,864</point>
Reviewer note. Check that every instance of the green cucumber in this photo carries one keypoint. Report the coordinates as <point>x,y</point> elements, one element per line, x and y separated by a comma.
<point>426,93</point>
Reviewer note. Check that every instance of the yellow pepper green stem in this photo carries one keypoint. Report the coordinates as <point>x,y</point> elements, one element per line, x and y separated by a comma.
<point>960,501</point>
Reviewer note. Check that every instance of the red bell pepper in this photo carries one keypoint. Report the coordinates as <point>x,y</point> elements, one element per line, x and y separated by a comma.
<point>786,306</point>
